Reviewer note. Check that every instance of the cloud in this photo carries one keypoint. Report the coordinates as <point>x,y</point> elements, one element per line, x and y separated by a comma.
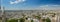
<point>46,7</point>
<point>43,7</point>
<point>49,7</point>
<point>17,1</point>
<point>40,7</point>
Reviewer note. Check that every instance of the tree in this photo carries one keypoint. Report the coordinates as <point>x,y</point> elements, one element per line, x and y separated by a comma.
<point>38,17</point>
<point>13,20</point>
<point>53,14</point>
<point>43,20</point>
<point>22,20</point>
<point>48,20</point>
<point>32,21</point>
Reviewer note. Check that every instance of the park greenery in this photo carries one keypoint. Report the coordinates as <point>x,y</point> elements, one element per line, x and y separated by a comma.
<point>23,20</point>
<point>46,20</point>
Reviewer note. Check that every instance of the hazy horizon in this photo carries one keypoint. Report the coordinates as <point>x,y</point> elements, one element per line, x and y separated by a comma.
<point>31,4</point>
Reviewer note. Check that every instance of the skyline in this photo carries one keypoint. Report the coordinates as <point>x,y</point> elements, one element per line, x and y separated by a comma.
<point>31,4</point>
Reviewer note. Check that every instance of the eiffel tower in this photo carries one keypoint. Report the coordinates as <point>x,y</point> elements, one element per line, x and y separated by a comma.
<point>3,14</point>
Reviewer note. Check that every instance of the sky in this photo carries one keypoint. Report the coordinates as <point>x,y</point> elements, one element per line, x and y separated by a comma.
<point>31,4</point>
<point>0,2</point>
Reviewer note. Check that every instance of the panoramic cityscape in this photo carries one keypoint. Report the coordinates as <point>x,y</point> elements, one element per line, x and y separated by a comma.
<point>29,10</point>
<point>39,15</point>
